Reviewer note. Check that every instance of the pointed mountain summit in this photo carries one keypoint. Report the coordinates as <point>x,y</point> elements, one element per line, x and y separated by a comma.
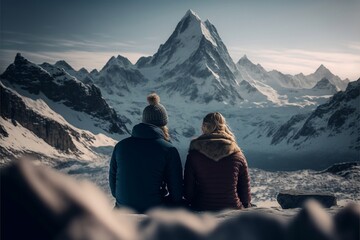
<point>119,61</point>
<point>244,64</point>
<point>322,70</point>
<point>82,75</point>
<point>244,60</point>
<point>193,62</point>
<point>63,64</point>
<point>186,38</point>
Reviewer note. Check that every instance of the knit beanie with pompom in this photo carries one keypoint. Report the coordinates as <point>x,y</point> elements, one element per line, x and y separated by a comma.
<point>155,113</point>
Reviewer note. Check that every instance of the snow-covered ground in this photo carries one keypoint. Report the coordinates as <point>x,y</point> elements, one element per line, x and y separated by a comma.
<point>264,184</point>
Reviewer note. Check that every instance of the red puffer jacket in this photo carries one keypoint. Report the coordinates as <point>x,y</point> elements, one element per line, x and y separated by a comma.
<point>216,174</point>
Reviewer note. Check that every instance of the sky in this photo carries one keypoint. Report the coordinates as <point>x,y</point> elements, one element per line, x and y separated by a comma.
<point>287,35</point>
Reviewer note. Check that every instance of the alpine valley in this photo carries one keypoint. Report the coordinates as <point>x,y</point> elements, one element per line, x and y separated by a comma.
<point>282,122</point>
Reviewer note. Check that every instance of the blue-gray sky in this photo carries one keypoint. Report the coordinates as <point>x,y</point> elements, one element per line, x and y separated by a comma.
<point>288,35</point>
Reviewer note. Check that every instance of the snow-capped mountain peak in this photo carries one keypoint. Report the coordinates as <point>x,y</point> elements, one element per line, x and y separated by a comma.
<point>192,24</point>
<point>119,61</point>
<point>190,13</point>
<point>322,70</point>
<point>244,61</point>
<point>245,57</point>
<point>183,42</point>
<point>246,66</point>
<point>82,75</point>
<point>193,56</point>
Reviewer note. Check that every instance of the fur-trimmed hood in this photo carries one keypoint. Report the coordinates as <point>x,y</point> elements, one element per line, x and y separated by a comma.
<point>215,146</point>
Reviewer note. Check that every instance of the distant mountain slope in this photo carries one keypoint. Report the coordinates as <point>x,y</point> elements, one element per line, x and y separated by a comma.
<point>325,85</point>
<point>82,75</point>
<point>336,122</point>
<point>283,89</point>
<point>57,87</point>
<point>310,80</point>
<point>119,76</point>
<point>30,127</point>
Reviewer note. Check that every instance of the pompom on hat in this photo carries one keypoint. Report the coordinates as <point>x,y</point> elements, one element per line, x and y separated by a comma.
<point>155,113</point>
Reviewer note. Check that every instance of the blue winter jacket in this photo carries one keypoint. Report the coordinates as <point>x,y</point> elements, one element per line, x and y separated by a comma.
<point>139,167</point>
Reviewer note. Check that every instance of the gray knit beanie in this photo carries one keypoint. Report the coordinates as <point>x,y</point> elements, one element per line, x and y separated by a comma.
<point>155,113</point>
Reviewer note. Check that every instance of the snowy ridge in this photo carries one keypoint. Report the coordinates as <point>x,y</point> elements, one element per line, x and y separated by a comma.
<point>282,89</point>
<point>82,75</point>
<point>64,92</point>
<point>22,140</point>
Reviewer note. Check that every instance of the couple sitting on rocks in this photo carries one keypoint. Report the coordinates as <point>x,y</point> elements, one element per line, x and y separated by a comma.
<point>146,170</point>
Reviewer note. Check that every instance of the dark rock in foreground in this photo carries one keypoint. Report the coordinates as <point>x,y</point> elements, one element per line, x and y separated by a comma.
<point>312,222</point>
<point>347,222</point>
<point>296,199</point>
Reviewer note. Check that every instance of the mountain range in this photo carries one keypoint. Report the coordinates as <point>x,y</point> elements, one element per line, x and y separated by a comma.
<point>274,115</point>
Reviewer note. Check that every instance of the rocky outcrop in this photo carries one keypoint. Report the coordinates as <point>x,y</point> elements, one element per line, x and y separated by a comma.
<point>296,199</point>
<point>57,135</point>
<point>57,85</point>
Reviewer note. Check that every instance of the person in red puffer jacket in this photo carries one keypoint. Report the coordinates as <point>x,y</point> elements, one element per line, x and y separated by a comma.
<point>216,173</point>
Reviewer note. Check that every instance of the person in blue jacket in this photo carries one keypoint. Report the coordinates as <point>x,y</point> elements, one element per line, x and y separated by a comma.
<point>142,164</point>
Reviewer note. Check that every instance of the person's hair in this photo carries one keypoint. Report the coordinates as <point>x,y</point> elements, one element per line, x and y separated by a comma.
<point>216,123</point>
<point>165,130</point>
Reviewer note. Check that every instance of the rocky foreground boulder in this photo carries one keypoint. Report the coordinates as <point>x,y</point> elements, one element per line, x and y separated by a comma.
<point>39,203</point>
<point>296,199</point>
